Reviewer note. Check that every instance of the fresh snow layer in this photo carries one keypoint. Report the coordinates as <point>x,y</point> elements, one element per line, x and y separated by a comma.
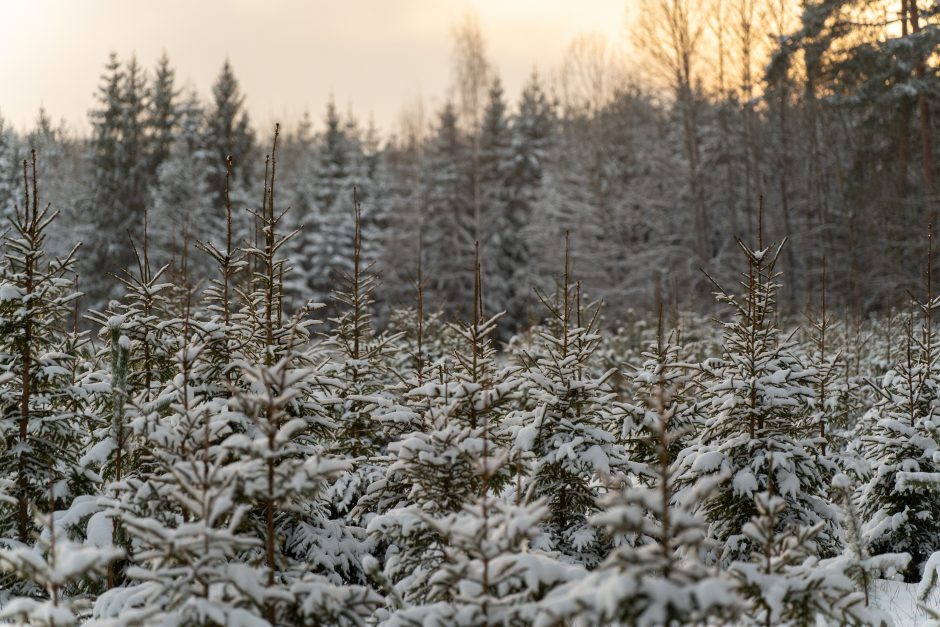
<point>899,599</point>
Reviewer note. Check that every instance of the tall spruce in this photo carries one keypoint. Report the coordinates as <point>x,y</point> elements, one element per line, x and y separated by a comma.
<point>228,133</point>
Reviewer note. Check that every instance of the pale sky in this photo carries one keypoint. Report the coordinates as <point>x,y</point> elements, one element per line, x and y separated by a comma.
<point>289,55</point>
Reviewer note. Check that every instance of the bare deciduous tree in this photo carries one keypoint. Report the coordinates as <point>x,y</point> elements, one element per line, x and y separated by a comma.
<point>591,73</point>
<point>472,73</point>
<point>670,33</point>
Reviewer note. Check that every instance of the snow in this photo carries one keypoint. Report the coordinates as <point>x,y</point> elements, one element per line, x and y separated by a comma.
<point>99,530</point>
<point>900,601</point>
<point>745,483</point>
<point>841,481</point>
<point>9,292</point>
<point>708,462</point>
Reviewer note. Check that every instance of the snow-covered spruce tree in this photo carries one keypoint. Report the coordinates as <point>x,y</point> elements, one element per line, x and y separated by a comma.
<point>567,433</point>
<point>531,130</point>
<point>337,168</point>
<point>899,436</point>
<point>299,160</point>
<point>433,473</point>
<point>54,565</point>
<point>501,231</point>
<point>40,439</point>
<point>786,583</point>
<point>360,358</point>
<point>122,174</point>
<point>425,341</point>
<point>163,113</point>
<point>358,373</point>
<point>182,519</point>
<point>829,407</point>
<point>654,574</point>
<point>627,344</point>
<point>282,473</point>
<point>476,567</point>
<point>373,177</point>
<point>118,448</point>
<point>284,446</point>
<point>863,567</point>
<point>663,368</point>
<point>399,415</point>
<point>855,338</point>
<point>139,341</point>
<point>140,337</point>
<point>756,431</point>
<point>261,316</point>
<point>487,574</point>
<point>223,332</point>
<point>424,345</point>
<point>429,474</point>
<point>148,316</point>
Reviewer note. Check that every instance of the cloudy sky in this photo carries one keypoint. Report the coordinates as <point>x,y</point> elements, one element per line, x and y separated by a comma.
<point>290,55</point>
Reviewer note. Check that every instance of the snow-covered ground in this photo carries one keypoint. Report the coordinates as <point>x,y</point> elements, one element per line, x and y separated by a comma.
<point>900,600</point>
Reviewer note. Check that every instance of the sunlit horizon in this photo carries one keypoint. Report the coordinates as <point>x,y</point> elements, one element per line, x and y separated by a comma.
<point>373,58</point>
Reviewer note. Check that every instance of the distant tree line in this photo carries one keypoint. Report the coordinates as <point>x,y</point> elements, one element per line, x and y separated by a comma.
<point>823,109</point>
